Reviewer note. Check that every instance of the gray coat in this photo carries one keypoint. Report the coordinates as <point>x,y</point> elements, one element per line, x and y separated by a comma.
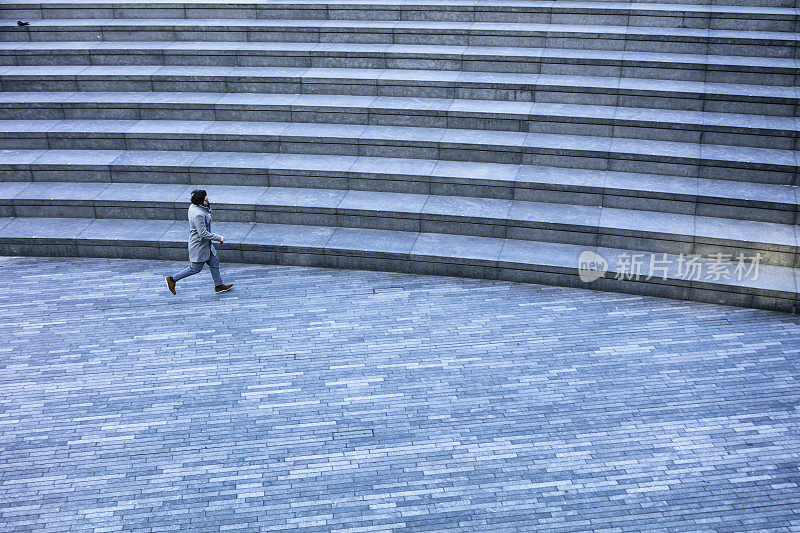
<point>200,235</point>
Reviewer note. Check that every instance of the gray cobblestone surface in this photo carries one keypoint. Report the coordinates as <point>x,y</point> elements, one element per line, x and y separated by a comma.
<point>335,400</point>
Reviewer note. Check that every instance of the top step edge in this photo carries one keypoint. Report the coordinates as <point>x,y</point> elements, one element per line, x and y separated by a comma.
<point>770,281</point>
<point>460,28</point>
<point>776,7</point>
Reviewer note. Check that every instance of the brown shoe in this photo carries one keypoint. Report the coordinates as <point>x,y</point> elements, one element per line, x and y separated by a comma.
<point>223,288</point>
<point>171,284</point>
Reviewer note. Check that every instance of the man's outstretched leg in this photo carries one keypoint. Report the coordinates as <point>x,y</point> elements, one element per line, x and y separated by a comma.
<point>192,269</point>
<point>213,265</point>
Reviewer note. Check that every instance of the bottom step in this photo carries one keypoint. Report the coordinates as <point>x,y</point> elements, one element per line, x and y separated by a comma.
<point>741,281</point>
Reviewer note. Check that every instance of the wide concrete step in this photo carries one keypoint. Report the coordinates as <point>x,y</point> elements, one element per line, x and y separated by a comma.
<point>631,190</point>
<point>579,151</point>
<point>718,279</point>
<point>619,63</point>
<point>574,119</point>
<point>495,86</point>
<point>580,36</point>
<point>584,225</point>
<point>654,13</point>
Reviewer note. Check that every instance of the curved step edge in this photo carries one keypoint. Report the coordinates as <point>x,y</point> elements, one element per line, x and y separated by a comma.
<point>420,253</point>
<point>676,194</point>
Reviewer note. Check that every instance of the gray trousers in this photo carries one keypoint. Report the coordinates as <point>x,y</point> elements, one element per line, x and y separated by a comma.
<point>194,268</point>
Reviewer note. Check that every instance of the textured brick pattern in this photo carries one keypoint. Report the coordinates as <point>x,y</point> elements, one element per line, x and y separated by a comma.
<point>335,400</point>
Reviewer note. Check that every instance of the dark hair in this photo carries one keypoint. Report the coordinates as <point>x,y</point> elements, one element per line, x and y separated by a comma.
<point>198,195</point>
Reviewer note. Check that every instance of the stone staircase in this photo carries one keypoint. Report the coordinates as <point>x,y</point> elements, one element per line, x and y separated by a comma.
<point>643,147</point>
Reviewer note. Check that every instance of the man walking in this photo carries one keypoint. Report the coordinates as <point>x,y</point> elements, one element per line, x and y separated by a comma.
<point>200,248</point>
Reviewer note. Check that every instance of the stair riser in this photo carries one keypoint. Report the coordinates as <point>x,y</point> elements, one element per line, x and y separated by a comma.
<point>540,15</point>
<point>582,224</point>
<point>583,235</point>
<point>774,106</point>
<point>744,3</point>
<point>639,43</point>
<point>546,156</point>
<point>682,132</point>
<point>333,258</point>
<point>555,66</point>
<point>777,212</point>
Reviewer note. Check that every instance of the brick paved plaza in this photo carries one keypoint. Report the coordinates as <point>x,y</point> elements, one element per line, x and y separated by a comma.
<point>335,400</point>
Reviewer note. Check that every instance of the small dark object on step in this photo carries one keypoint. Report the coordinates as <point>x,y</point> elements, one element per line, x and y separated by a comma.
<point>21,23</point>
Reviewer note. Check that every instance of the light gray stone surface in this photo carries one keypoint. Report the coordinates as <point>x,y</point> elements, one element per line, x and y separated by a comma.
<point>545,127</point>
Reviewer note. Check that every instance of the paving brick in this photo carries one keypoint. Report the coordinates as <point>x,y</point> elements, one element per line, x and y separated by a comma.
<point>423,403</point>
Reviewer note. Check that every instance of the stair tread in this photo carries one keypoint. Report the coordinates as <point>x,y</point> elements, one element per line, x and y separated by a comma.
<point>450,78</point>
<point>462,171</point>
<point>363,104</point>
<point>373,203</point>
<point>496,4</point>
<point>446,51</point>
<point>504,253</point>
<point>640,211</point>
<point>411,134</point>
<point>495,27</point>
